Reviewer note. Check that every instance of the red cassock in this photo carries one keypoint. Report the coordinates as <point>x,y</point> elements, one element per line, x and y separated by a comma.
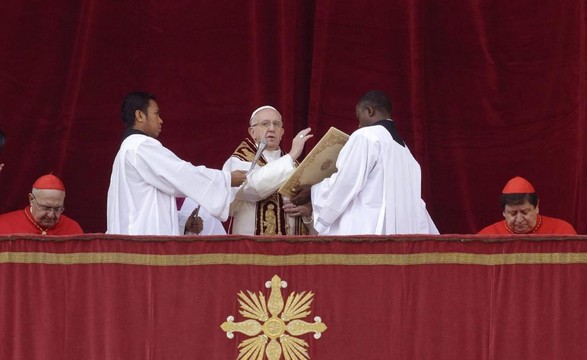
<point>547,225</point>
<point>17,222</point>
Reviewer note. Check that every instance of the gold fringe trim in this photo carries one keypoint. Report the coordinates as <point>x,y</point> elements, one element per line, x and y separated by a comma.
<point>292,260</point>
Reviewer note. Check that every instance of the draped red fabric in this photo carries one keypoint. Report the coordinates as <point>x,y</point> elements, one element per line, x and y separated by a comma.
<point>108,297</point>
<point>483,90</point>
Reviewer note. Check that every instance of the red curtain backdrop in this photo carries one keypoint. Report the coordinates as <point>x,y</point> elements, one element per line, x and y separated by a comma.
<point>398,298</point>
<point>482,90</point>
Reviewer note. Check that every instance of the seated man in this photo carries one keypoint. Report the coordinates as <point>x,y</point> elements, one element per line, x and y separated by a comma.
<point>44,214</point>
<point>258,209</point>
<point>519,204</point>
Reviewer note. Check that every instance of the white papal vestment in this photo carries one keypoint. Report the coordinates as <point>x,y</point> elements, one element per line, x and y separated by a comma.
<point>261,182</point>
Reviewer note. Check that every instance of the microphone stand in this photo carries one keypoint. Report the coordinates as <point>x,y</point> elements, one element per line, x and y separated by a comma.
<point>262,146</point>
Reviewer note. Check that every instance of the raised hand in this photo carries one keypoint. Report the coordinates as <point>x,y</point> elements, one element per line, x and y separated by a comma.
<point>298,142</point>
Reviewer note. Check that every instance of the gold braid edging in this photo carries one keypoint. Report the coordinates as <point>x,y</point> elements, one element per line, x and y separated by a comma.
<point>293,260</point>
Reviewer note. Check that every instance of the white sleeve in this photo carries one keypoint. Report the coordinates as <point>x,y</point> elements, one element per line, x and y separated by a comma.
<point>162,169</point>
<point>263,180</point>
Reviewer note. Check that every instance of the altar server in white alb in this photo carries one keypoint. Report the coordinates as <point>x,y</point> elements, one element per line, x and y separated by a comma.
<point>376,189</point>
<point>147,177</point>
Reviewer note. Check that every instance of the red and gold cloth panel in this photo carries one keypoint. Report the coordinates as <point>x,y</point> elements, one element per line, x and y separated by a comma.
<point>109,297</point>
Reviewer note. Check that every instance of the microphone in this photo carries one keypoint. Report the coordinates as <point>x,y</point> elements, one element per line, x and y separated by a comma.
<point>262,146</point>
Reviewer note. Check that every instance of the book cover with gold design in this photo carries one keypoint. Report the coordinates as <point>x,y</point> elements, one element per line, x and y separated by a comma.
<point>319,164</point>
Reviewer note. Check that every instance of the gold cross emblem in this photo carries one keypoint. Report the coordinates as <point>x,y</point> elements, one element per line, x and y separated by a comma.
<point>274,335</point>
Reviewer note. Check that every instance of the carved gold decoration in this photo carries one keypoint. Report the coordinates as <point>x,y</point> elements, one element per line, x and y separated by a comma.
<point>275,324</point>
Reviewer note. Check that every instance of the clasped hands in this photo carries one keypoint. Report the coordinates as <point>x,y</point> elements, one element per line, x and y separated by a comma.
<point>299,204</point>
<point>303,195</point>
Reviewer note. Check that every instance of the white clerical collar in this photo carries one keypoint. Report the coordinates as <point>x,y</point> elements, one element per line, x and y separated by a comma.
<point>272,154</point>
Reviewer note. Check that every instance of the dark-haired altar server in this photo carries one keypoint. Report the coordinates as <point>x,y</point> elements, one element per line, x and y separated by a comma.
<point>147,177</point>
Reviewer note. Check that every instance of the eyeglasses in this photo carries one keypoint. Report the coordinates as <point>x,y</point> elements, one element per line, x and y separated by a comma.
<point>267,123</point>
<point>47,209</point>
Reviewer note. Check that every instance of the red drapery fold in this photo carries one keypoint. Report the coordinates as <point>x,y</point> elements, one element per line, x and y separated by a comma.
<point>482,91</point>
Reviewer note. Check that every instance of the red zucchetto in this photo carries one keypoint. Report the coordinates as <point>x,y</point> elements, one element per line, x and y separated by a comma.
<point>518,185</point>
<point>49,182</point>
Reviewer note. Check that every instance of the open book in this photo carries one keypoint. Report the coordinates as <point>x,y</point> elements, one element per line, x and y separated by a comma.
<point>319,164</point>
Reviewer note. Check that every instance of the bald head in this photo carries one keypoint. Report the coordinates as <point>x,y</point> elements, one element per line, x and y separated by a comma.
<point>46,206</point>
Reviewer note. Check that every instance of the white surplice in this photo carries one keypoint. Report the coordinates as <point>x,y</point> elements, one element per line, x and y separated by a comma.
<point>375,191</point>
<point>261,182</point>
<point>147,177</point>
<point>212,226</point>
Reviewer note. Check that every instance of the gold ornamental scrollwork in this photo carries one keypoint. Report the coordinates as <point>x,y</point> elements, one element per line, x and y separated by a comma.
<point>274,324</point>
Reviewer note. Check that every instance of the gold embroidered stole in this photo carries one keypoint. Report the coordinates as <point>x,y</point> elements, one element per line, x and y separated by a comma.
<point>269,216</point>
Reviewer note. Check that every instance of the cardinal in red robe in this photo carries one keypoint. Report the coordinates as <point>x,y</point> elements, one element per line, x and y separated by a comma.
<point>519,204</point>
<point>44,215</point>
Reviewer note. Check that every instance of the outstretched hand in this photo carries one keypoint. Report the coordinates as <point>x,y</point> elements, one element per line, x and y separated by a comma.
<point>237,177</point>
<point>298,142</point>
<point>303,195</point>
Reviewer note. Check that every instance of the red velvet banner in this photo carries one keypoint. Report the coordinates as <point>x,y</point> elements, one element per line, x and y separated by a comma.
<point>111,297</point>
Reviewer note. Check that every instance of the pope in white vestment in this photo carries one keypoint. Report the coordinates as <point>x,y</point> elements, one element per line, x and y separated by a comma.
<point>376,189</point>
<point>147,177</point>
<point>258,208</point>
<point>260,184</point>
